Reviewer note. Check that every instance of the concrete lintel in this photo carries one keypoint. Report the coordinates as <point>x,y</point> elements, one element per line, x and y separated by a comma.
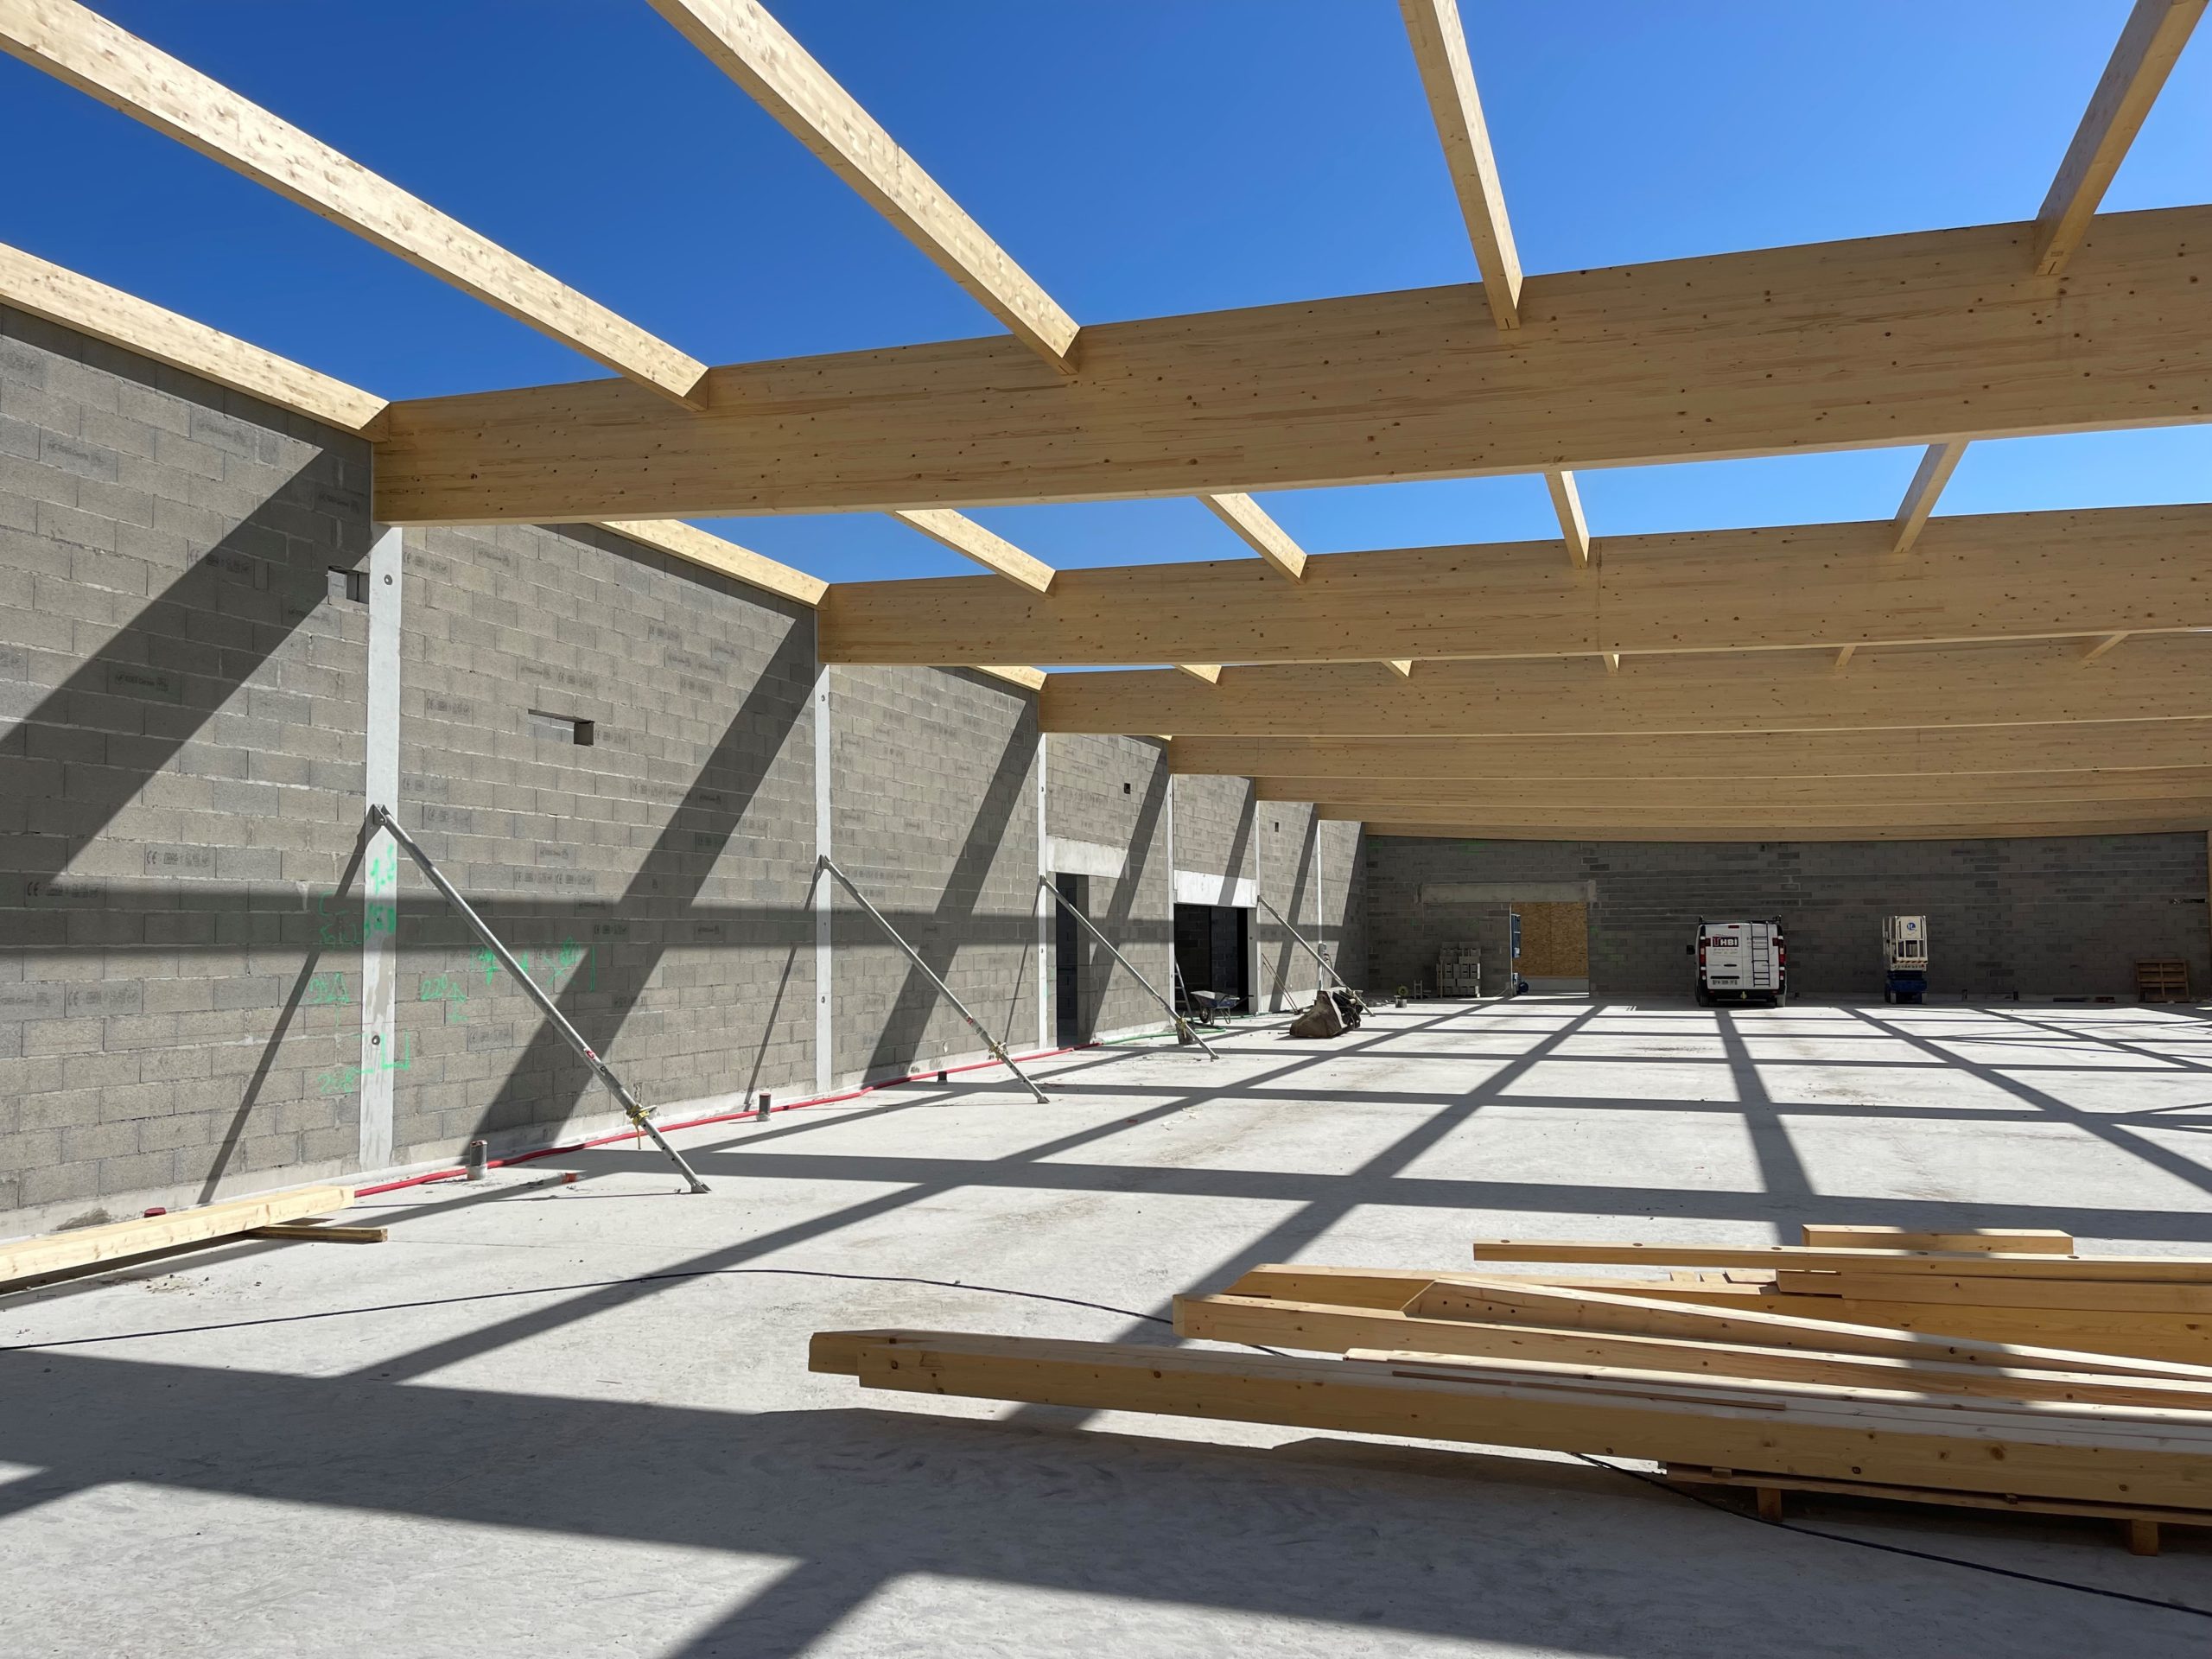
<point>1197,888</point>
<point>1064,857</point>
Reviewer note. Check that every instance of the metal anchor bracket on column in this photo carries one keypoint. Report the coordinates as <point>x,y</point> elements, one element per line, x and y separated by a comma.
<point>996,1047</point>
<point>1189,1031</point>
<point>382,818</point>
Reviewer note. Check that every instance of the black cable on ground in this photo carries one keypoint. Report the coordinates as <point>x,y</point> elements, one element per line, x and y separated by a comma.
<point>601,1284</point>
<point>1095,1307</point>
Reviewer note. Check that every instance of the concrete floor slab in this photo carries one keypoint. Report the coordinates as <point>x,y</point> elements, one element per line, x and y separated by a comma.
<point>575,1418</point>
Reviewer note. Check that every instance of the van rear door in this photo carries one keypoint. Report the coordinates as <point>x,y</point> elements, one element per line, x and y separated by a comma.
<point>1723,956</point>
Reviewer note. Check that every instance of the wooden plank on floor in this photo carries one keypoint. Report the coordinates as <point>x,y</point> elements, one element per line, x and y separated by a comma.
<point>2182,1416</point>
<point>2166,1269</point>
<point>321,1235</point>
<point>1322,1329</point>
<point>80,1247</point>
<point>2176,1338</point>
<point>1837,1327</point>
<point>1300,1282</point>
<point>2067,1455</point>
<point>2000,1241</point>
<point>1297,1281</point>
<point>2059,1297</point>
<point>2180,1338</point>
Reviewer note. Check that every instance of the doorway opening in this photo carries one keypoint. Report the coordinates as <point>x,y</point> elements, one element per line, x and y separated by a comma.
<point>1071,1020</point>
<point>1213,955</point>
<point>1554,945</point>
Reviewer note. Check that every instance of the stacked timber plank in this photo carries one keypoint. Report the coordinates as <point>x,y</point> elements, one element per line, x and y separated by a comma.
<point>1998,1368</point>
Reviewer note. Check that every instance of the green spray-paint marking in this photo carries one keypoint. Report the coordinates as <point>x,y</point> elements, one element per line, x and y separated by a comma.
<point>452,989</point>
<point>345,1080</point>
<point>339,930</point>
<point>555,967</point>
<point>381,916</point>
<point>327,990</point>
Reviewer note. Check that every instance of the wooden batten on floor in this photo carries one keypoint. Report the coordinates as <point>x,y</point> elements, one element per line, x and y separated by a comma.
<point>2063,1452</point>
<point>84,1247</point>
<point>2003,1241</point>
<point>1318,1327</point>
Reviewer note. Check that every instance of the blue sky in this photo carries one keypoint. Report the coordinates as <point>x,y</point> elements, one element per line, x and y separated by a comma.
<point>1139,157</point>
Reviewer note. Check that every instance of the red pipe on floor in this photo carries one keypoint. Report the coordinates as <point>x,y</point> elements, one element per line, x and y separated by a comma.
<point>457,1173</point>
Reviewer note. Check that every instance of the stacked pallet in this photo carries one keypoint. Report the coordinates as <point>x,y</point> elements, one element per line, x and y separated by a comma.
<point>1460,969</point>
<point>1995,1369</point>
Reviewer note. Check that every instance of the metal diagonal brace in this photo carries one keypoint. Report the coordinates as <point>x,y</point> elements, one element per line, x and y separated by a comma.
<point>382,818</point>
<point>1326,967</point>
<point>1189,1032</point>
<point>997,1048</point>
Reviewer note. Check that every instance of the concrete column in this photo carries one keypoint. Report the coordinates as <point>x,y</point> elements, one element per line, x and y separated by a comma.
<point>825,1024</point>
<point>381,1057</point>
<point>1167,977</point>
<point>1320,900</point>
<point>1047,985</point>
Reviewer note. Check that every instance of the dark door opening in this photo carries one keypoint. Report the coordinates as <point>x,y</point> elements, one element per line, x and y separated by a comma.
<point>1213,954</point>
<point>1070,1019</point>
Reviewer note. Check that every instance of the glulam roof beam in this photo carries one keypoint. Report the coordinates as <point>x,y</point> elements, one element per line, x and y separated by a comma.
<point>704,548</point>
<point>2156,32</point>
<point>1447,76</point>
<point>996,554</point>
<point>2008,823</point>
<point>2165,677</point>
<point>760,55</point>
<point>1935,471</point>
<point>128,74</point>
<point>45,290</point>
<point>1907,797</point>
<point>2152,39</point>
<point>971,541</point>
<point>2013,575</point>
<point>1883,341</point>
<point>1440,44</point>
<point>757,53</point>
<point>2099,648</point>
<point>1925,753</point>
<point>1260,532</point>
<point>1567,502</point>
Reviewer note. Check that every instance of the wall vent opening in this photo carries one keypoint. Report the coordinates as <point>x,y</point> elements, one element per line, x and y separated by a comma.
<point>562,729</point>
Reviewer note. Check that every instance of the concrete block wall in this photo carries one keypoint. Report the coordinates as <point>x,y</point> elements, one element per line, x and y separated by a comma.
<point>935,817</point>
<point>1343,859</point>
<point>184,678</point>
<point>1215,820</point>
<point>1106,803</point>
<point>1287,856</point>
<point>2055,917</point>
<point>180,760</point>
<point>654,881</point>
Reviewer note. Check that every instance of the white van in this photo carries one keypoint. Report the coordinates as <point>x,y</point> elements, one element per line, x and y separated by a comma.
<point>1740,962</point>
